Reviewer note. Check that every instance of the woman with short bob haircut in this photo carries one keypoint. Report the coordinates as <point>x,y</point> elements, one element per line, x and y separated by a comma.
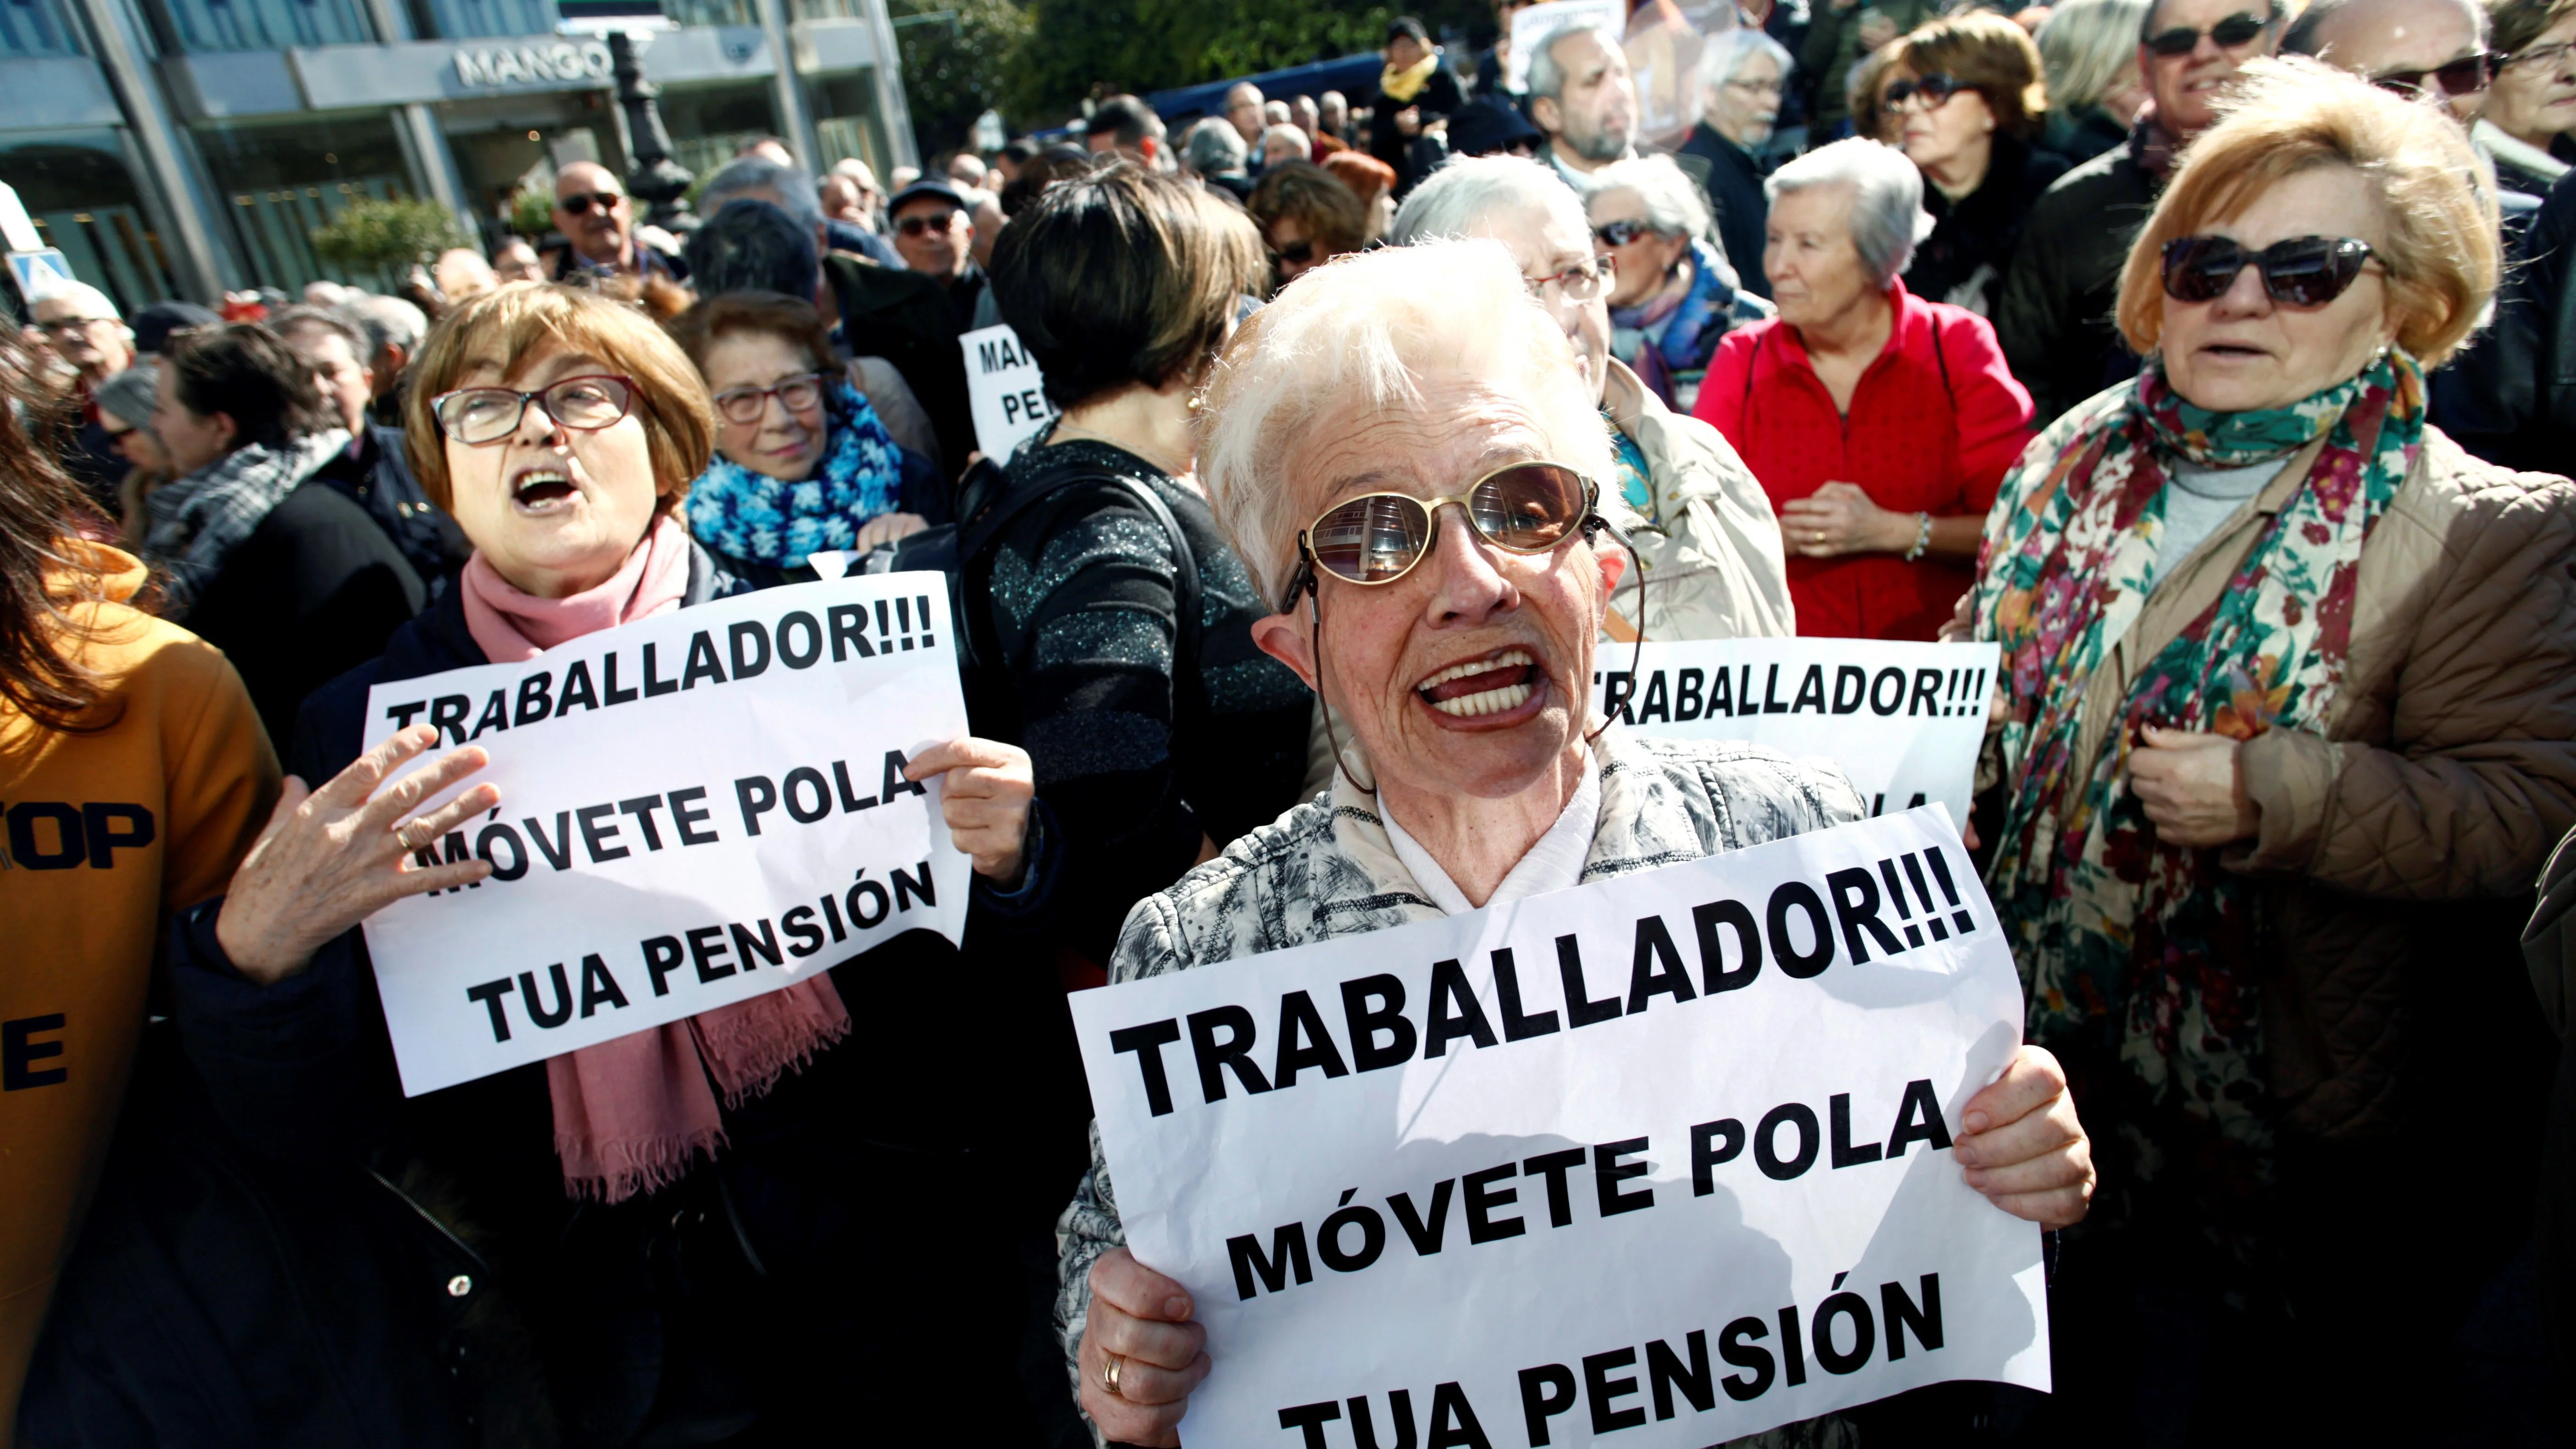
<point>1966,106</point>
<point>1307,216</point>
<point>2286,720</point>
<point>562,428</point>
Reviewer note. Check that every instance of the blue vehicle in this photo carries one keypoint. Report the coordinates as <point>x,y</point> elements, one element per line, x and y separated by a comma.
<point>1355,76</point>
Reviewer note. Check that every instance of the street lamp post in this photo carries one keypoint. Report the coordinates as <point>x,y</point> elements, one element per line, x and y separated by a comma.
<point>656,178</point>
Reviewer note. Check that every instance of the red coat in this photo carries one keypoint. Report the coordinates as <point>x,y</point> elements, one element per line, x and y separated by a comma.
<point>1934,422</point>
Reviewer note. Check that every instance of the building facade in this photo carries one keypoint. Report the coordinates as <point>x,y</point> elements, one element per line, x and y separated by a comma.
<point>180,148</point>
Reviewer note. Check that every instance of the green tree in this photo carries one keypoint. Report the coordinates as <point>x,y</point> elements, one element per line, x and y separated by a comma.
<point>387,236</point>
<point>956,64</point>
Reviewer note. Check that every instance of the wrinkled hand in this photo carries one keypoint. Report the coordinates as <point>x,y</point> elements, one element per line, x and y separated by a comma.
<point>1838,518</point>
<point>1141,1319</point>
<point>2193,788</point>
<point>2023,1147</point>
<point>329,859</point>
<point>886,528</point>
<point>985,800</point>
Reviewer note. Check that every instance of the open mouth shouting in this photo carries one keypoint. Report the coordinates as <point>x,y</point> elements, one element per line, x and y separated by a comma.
<point>1504,684</point>
<point>543,488</point>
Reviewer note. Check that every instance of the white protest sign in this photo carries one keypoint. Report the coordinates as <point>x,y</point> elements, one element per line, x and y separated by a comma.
<point>1005,390</point>
<point>1903,720</point>
<point>695,809</point>
<point>1666,1154</point>
<point>1534,23</point>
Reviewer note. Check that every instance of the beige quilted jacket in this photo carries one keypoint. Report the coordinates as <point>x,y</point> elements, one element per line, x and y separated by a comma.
<point>2437,788</point>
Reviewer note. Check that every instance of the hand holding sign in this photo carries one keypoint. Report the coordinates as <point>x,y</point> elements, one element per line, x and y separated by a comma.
<point>1141,1352</point>
<point>986,803</point>
<point>330,858</point>
<point>2023,1148</point>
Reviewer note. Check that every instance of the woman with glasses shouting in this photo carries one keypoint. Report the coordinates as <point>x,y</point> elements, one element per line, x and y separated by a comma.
<point>2283,739</point>
<point>631,1205</point>
<point>803,464</point>
<point>1879,422</point>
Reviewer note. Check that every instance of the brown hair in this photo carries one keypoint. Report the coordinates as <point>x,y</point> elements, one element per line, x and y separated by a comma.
<point>245,372</point>
<point>772,313</point>
<point>504,325</point>
<point>1860,95</point>
<point>41,581</point>
<point>2293,115</point>
<point>1123,277</point>
<point>2516,24</point>
<point>1990,55</point>
<point>1366,176</point>
<point>1330,211</point>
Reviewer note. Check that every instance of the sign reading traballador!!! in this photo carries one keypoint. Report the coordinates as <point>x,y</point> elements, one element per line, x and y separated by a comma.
<point>1665,1156</point>
<point>695,809</point>
<point>1903,720</point>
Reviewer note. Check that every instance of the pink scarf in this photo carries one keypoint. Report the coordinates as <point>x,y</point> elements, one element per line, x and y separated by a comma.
<point>634,1114</point>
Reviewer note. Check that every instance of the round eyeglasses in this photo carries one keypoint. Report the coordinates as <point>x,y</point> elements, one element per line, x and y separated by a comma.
<point>477,416</point>
<point>1377,538</point>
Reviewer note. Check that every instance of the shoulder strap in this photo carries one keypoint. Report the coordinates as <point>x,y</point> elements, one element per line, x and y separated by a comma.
<point>1941,355</point>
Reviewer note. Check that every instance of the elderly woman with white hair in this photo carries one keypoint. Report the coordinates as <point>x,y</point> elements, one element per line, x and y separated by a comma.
<point>1880,423</point>
<point>1676,293</point>
<point>1694,517</point>
<point>1744,85</point>
<point>1342,425</point>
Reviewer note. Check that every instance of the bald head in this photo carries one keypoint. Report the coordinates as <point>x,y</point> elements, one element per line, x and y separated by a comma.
<point>2403,40</point>
<point>592,212</point>
<point>1243,110</point>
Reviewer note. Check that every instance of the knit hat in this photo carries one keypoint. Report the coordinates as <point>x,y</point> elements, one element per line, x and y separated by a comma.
<point>131,395</point>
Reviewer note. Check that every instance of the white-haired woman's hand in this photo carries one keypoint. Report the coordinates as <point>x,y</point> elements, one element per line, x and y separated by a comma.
<point>332,857</point>
<point>1141,1355</point>
<point>2022,1146</point>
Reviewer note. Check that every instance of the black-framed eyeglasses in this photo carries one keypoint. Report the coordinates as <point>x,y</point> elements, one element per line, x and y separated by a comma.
<point>1377,538</point>
<point>479,416</point>
<point>747,404</point>
<point>2466,76</point>
<point>919,224</point>
<point>1621,232</point>
<point>2239,29</point>
<point>580,202</point>
<point>2303,271</point>
<point>2537,55</point>
<point>1578,283</point>
<point>1934,90</point>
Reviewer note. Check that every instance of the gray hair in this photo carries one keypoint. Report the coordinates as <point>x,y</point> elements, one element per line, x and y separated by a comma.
<point>1468,189</point>
<point>388,322</point>
<point>1287,132</point>
<point>1546,77</point>
<point>342,321</point>
<point>2088,47</point>
<point>1214,147</point>
<point>790,189</point>
<point>1673,204</point>
<point>1726,52</point>
<point>1887,215</point>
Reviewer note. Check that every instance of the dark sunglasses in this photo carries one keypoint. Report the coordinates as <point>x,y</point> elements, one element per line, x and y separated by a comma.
<point>1620,233</point>
<point>1377,538</point>
<point>2304,271</point>
<point>481,416</point>
<point>580,203</point>
<point>2238,29</point>
<point>1295,254</point>
<point>2463,77</point>
<point>918,224</point>
<point>1935,89</point>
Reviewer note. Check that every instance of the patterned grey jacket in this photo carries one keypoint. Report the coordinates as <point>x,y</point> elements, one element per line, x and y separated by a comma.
<point>1327,869</point>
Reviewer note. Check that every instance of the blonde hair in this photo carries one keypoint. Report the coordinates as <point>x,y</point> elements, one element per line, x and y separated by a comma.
<point>1360,334</point>
<point>2293,115</point>
<point>2089,48</point>
<point>679,417</point>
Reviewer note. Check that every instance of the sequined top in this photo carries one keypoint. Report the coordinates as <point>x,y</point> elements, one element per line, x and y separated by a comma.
<point>1083,610</point>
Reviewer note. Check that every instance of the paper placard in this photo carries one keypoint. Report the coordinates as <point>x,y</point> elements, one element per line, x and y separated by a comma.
<point>1660,1161</point>
<point>1903,720</point>
<point>695,809</point>
<point>1005,390</point>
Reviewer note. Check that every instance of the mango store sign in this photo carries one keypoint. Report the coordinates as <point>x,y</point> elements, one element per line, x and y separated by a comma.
<point>695,809</point>
<point>1005,390</point>
<point>547,63</point>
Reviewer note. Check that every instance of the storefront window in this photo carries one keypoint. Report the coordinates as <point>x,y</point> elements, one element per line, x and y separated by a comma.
<point>280,183</point>
<point>846,122</point>
<point>709,123</point>
<point>709,12</point>
<point>217,25</point>
<point>83,199</point>
<point>33,28</point>
<point>475,19</point>
<point>830,10</point>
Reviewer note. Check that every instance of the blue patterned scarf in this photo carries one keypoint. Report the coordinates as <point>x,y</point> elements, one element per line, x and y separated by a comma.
<point>753,516</point>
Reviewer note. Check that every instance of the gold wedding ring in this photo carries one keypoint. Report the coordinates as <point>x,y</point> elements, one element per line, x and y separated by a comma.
<point>403,835</point>
<point>1110,1367</point>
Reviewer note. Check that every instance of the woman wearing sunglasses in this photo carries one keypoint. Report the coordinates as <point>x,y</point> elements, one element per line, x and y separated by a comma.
<point>635,1206</point>
<point>1409,460</point>
<point>1674,295</point>
<point>1966,103</point>
<point>803,464</point>
<point>2530,110</point>
<point>2284,736</point>
<point>1307,216</point>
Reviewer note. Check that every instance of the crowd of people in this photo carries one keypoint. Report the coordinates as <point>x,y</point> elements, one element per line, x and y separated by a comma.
<point>2214,360</point>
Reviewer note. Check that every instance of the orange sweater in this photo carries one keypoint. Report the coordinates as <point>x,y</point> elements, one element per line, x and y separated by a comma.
<point>102,837</point>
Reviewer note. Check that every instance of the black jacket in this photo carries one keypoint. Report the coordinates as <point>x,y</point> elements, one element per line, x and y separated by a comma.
<point>314,592</point>
<point>1437,98</point>
<point>377,477</point>
<point>1970,251</point>
<point>905,318</point>
<point>2054,313</point>
<point>1734,185</point>
<point>327,1262</point>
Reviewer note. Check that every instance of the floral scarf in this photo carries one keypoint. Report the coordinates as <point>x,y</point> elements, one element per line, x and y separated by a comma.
<point>753,516</point>
<point>2139,957</point>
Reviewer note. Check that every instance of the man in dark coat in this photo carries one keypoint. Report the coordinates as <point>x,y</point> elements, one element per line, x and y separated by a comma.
<point>1747,76</point>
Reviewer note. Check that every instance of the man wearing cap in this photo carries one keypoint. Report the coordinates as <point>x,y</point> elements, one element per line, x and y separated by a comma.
<point>92,336</point>
<point>936,237</point>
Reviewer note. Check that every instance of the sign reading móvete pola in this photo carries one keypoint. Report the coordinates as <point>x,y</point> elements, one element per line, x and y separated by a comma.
<point>695,809</point>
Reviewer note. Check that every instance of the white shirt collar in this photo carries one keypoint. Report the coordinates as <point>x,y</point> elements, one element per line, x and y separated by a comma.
<point>1555,863</point>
